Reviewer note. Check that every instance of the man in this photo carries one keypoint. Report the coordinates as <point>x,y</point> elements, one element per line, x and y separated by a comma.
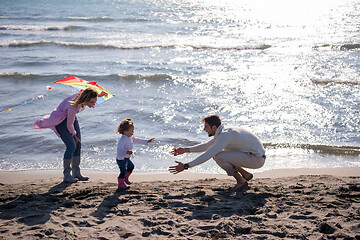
<point>231,148</point>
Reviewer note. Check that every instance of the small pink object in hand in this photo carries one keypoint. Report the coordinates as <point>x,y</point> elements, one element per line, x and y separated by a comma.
<point>174,151</point>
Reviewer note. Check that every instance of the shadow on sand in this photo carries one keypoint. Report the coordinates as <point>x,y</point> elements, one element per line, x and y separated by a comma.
<point>33,209</point>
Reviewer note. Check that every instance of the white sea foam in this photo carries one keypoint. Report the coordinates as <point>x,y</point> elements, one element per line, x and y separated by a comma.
<point>39,28</point>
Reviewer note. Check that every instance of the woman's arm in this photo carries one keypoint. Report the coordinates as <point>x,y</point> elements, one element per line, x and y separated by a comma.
<point>71,113</point>
<point>70,124</point>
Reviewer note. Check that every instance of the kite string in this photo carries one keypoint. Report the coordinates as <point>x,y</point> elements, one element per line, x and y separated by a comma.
<point>26,102</point>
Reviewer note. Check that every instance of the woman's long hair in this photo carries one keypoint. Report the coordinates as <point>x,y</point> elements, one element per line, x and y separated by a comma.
<point>84,96</point>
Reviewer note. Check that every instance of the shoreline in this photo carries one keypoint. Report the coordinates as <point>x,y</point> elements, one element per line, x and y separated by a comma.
<point>14,177</point>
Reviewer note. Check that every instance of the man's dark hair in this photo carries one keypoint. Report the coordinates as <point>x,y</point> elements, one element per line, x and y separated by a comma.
<point>212,120</point>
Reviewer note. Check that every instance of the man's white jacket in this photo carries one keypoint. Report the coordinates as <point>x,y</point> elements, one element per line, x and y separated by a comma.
<point>228,139</point>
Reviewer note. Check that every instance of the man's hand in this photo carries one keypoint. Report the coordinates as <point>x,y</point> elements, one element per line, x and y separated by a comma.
<point>178,151</point>
<point>177,169</point>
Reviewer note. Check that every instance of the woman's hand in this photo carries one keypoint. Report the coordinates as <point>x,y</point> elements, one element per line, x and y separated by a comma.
<point>129,152</point>
<point>151,140</point>
<point>103,94</point>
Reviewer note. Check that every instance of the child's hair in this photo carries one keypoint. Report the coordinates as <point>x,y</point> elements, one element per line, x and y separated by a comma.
<point>84,96</point>
<point>125,125</point>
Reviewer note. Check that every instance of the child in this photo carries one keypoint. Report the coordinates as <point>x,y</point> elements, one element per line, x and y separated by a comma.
<point>124,151</point>
<point>64,123</point>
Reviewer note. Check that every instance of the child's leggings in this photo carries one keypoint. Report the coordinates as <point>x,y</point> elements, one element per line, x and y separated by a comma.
<point>125,165</point>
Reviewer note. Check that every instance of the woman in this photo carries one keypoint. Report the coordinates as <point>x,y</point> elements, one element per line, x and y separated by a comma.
<point>64,123</point>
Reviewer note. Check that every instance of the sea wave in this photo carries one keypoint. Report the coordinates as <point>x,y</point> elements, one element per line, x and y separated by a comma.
<point>325,81</point>
<point>40,28</point>
<point>91,19</point>
<point>135,20</point>
<point>43,18</point>
<point>20,76</point>
<point>350,46</point>
<point>323,149</point>
<point>23,43</point>
<point>245,47</point>
<point>107,19</point>
<point>20,18</point>
<point>17,75</point>
<point>149,77</point>
<point>128,77</point>
<point>79,19</point>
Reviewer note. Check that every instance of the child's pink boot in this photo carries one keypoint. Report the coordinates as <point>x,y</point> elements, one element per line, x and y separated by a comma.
<point>121,184</point>
<point>127,178</point>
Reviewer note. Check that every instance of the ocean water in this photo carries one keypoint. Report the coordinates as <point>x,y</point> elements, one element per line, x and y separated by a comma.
<point>288,71</point>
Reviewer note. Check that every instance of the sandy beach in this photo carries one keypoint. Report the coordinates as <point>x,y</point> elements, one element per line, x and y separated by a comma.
<point>287,204</point>
<point>286,71</point>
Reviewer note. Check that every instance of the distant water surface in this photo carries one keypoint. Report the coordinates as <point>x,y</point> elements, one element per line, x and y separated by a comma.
<point>287,71</point>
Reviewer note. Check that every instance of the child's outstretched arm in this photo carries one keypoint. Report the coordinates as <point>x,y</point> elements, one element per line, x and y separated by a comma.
<point>142,141</point>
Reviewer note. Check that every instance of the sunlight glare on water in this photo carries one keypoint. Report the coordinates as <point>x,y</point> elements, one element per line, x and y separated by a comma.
<point>288,71</point>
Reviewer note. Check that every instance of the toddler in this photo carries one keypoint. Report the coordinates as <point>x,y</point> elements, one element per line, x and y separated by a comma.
<point>124,151</point>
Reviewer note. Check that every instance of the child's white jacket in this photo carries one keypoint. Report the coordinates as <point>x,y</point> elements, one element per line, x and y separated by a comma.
<point>125,144</point>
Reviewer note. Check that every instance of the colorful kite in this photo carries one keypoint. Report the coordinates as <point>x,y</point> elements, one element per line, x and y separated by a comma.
<point>81,84</point>
<point>72,81</point>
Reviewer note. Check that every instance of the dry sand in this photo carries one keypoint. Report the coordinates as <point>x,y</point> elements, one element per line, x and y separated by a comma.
<point>287,204</point>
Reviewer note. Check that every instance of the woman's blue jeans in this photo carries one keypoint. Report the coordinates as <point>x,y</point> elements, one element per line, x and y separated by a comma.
<point>125,165</point>
<point>68,139</point>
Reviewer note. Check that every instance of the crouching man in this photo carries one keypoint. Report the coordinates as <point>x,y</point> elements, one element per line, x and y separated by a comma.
<point>232,149</point>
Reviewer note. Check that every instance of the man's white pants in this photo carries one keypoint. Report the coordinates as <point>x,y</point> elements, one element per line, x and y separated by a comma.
<point>229,160</point>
